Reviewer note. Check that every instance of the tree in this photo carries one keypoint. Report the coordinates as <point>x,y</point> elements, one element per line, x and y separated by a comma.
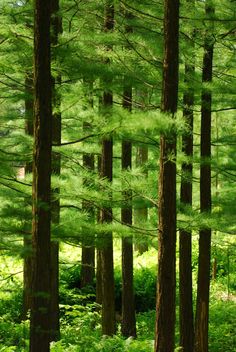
<point>27,266</point>
<point>88,240</point>
<point>128,325</point>
<point>185,236</point>
<point>166,283</point>
<point>56,29</point>
<point>108,290</point>
<point>203,287</point>
<point>141,212</point>
<point>41,197</point>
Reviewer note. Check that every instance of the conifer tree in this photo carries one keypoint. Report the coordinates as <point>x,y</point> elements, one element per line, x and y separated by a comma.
<point>56,29</point>
<point>141,212</point>
<point>108,290</point>
<point>88,240</point>
<point>166,283</point>
<point>128,325</point>
<point>203,287</point>
<point>185,236</point>
<point>41,230</point>
<point>27,266</point>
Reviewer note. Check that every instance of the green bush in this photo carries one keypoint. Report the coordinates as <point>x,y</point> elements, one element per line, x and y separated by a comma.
<point>11,304</point>
<point>144,286</point>
<point>13,334</point>
<point>222,327</point>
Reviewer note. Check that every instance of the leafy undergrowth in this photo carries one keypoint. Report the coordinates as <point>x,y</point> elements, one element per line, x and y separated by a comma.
<point>81,320</point>
<point>84,333</point>
<point>81,331</point>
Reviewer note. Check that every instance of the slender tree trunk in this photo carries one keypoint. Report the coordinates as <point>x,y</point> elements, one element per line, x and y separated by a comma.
<point>41,232</point>
<point>99,277</point>
<point>141,214</point>
<point>128,325</point>
<point>185,236</point>
<point>98,251</point>
<point>88,242</point>
<point>166,283</point>
<point>108,287</point>
<point>27,271</point>
<point>88,248</point>
<point>56,29</point>
<point>202,309</point>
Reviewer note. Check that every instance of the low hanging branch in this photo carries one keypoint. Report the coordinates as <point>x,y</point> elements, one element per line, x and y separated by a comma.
<point>77,140</point>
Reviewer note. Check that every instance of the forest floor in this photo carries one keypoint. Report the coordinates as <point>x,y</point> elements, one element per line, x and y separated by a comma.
<point>81,323</point>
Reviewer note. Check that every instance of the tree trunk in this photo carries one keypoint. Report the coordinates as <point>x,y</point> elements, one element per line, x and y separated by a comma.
<point>40,323</point>
<point>128,324</point>
<point>166,284</point>
<point>185,236</point>
<point>88,241</point>
<point>27,270</point>
<point>203,288</point>
<point>141,214</point>
<point>99,277</point>
<point>108,286</point>
<point>98,251</point>
<point>56,29</point>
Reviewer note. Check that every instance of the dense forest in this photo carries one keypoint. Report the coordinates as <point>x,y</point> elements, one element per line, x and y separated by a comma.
<point>118,174</point>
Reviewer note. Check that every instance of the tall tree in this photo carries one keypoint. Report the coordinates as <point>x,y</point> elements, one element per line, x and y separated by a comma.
<point>108,290</point>
<point>88,241</point>
<point>99,251</point>
<point>128,325</point>
<point>41,229</point>
<point>56,29</point>
<point>166,283</point>
<point>185,236</point>
<point>141,213</point>
<point>203,287</point>
<point>27,270</point>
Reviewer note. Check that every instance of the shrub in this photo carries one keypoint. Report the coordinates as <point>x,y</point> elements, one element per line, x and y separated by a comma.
<point>144,286</point>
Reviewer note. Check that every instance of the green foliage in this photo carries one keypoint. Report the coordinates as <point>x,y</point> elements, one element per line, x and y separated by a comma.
<point>144,287</point>
<point>222,328</point>
<point>13,334</point>
<point>11,305</point>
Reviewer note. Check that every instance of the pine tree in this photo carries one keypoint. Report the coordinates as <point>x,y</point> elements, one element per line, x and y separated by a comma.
<point>128,325</point>
<point>185,236</point>
<point>202,308</point>
<point>56,29</point>
<point>166,283</point>
<point>27,266</point>
<point>88,240</point>
<point>108,290</point>
<point>41,231</point>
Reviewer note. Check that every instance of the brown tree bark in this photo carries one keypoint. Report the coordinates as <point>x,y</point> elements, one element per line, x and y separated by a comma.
<point>88,241</point>
<point>41,231</point>
<point>166,283</point>
<point>56,29</point>
<point>128,324</point>
<point>185,236</point>
<point>108,288</point>
<point>141,214</point>
<point>27,267</point>
<point>203,287</point>
<point>98,251</point>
